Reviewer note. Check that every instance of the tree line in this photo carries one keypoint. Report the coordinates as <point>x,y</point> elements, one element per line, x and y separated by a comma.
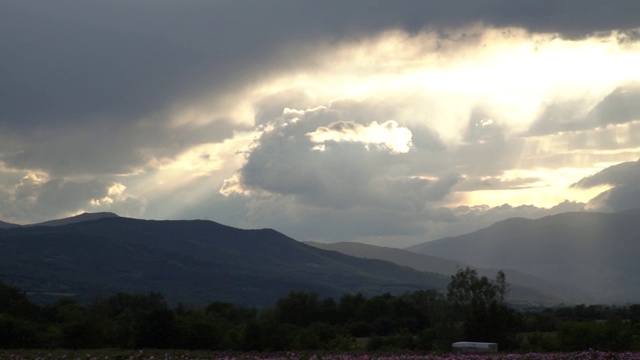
<point>473,309</point>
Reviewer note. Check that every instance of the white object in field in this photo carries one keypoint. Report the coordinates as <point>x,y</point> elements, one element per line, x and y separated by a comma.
<point>471,346</point>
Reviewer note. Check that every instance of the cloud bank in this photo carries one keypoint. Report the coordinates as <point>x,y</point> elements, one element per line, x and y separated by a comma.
<point>395,125</point>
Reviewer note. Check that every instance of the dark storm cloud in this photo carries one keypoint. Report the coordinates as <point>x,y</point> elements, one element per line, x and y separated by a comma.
<point>619,198</point>
<point>619,107</point>
<point>625,193</point>
<point>69,60</point>
<point>104,147</point>
<point>70,65</point>
<point>621,174</point>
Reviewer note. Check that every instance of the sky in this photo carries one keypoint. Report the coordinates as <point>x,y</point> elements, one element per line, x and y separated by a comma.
<point>384,122</point>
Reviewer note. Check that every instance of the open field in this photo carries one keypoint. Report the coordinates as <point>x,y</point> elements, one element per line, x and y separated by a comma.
<point>117,354</point>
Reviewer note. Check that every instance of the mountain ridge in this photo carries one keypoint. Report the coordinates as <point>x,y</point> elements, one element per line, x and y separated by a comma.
<point>595,252</point>
<point>192,261</point>
<point>525,288</point>
<point>85,216</point>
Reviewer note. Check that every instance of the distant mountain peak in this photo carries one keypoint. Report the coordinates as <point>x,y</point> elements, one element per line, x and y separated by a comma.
<point>595,252</point>
<point>77,218</point>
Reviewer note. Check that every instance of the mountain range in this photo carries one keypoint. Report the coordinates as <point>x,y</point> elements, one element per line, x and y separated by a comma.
<point>595,252</point>
<point>571,257</point>
<point>194,262</point>
<point>524,288</point>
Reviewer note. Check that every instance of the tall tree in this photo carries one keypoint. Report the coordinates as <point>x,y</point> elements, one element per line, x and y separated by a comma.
<point>480,304</point>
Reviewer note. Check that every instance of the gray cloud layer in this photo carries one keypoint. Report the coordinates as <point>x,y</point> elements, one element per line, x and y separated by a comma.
<point>66,60</point>
<point>625,192</point>
<point>619,107</point>
<point>70,67</point>
<point>92,96</point>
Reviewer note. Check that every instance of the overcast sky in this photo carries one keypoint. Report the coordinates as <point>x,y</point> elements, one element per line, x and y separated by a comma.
<point>385,122</point>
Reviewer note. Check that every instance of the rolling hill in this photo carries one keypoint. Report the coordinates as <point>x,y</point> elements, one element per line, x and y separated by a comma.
<point>524,288</point>
<point>596,252</point>
<point>195,262</point>
<point>6,225</point>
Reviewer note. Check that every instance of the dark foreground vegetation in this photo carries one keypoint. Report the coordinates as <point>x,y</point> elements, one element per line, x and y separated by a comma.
<point>473,310</point>
<point>163,354</point>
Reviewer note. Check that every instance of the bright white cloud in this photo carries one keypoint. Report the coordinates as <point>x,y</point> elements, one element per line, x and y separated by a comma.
<point>388,135</point>
<point>118,200</point>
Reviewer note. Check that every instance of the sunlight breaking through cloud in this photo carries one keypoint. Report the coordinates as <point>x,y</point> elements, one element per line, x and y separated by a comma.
<point>378,123</point>
<point>388,135</point>
<point>511,74</point>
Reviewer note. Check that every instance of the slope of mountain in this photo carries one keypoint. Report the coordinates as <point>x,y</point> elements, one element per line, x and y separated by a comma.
<point>525,288</point>
<point>596,252</point>
<point>402,257</point>
<point>75,219</point>
<point>6,225</point>
<point>195,262</point>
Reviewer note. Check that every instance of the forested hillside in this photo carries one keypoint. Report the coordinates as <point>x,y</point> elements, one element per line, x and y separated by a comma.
<point>194,261</point>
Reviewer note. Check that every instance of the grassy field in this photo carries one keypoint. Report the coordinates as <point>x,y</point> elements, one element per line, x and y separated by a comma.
<point>117,354</point>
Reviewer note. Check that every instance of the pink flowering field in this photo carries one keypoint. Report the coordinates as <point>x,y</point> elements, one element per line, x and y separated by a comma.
<point>203,355</point>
